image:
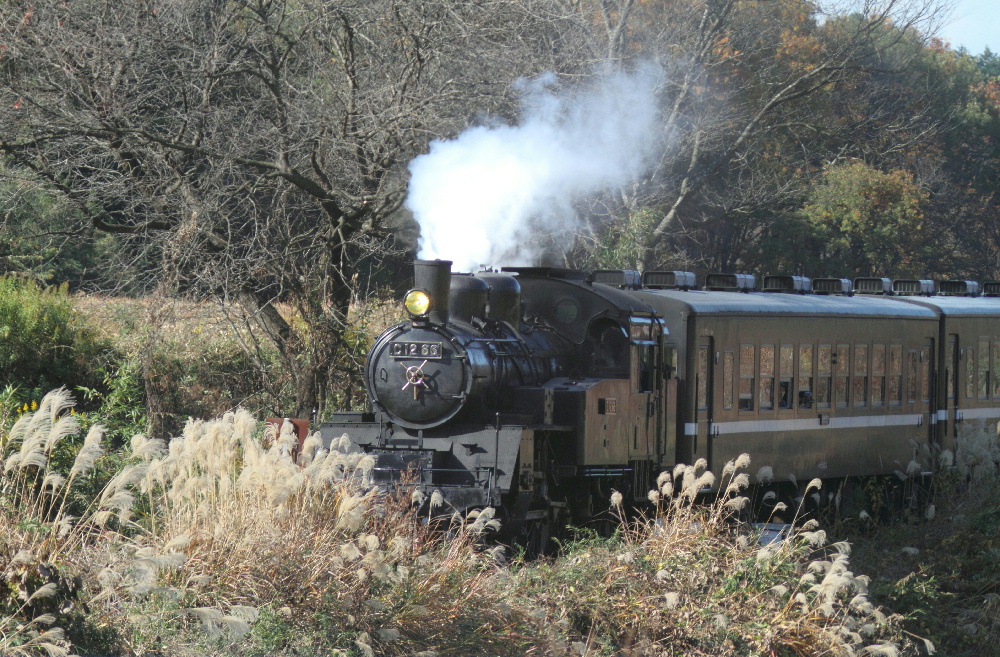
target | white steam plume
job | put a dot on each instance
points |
(498, 195)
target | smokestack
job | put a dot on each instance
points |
(434, 277)
(506, 194)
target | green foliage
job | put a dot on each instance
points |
(623, 243)
(919, 595)
(43, 343)
(40, 234)
(868, 222)
(988, 63)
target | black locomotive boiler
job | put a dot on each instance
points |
(538, 390)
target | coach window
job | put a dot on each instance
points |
(747, 367)
(970, 372)
(878, 375)
(925, 374)
(669, 363)
(806, 376)
(824, 374)
(984, 369)
(842, 366)
(861, 375)
(949, 370)
(702, 377)
(895, 387)
(786, 368)
(727, 380)
(911, 376)
(766, 377)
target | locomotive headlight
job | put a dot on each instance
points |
(417, 303)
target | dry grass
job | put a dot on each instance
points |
(35, 530)
(218, 542)
(690, 581)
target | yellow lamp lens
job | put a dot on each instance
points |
(416, 302)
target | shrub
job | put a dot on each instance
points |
(43, 343)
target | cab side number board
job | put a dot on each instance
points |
(415, 349)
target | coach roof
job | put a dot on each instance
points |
(699, 302)
(959, 306)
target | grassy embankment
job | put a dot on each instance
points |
(220, 545)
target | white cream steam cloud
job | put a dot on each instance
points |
(501, 194)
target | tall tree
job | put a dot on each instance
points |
(254, 149)
(758, 96)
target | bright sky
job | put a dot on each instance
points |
(975, 24)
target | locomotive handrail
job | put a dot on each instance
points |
(492, 340)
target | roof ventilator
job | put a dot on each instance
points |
(913, 287)
(730, 282)
(789, 284)
(623, 279)
(873, 286)
(958, 288)
(841, 286)
(991, 289)
(668, 280)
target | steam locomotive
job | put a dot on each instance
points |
(538, 390)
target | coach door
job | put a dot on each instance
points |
(702, 400)
(952, 359)
(644, 334)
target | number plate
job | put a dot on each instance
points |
(415, 349)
